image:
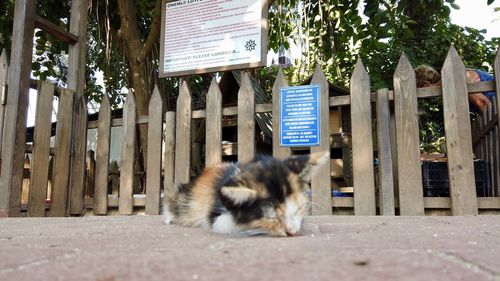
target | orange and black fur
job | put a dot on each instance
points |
(265, 196)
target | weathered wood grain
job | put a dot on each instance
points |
(126, 206)
(408, 153)
(246, 119)
(4, 70)
(214, 125)
(102, 157)
(77, 178)
(458, 136)
(55, 30)
(41, 151)
(496, 69)
(385, 174)
(278, 151)
(362, 142)
(495, 153)
(155, 135)
(169, 156)
(77, 53)
(64, 133)
(183, 135)
(321, 179)
(14, 138)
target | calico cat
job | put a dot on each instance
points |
(266, 196)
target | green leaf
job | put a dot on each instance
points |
(35, 66)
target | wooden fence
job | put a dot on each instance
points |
(395, 187)
(486, 142)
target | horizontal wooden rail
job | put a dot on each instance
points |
(34, 86)
(268, 107)
(55, 30)
(484, 203)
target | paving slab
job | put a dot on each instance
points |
(329, 248)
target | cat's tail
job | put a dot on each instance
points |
(170, 207)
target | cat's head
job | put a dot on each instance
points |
(268, 196)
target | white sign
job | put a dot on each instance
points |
(202, 36)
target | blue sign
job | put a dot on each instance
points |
(300, 116)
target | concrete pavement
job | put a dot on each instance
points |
(330, 248)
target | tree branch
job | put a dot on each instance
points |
(129, 30)
(154, 32)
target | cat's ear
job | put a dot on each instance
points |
(306, 165)
(239, 194)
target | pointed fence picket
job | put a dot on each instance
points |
(246, 119)
(102, 157)
(183, 135)
(59, 196)
(385, 169)
(214, 125)
(41, 151)
(126, 201)
(77, 178)
(458, 136)
(362, 145)
(155, 132)
(407, 140)
(278, 151)
(321, 179)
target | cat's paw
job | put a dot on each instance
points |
(168, 217)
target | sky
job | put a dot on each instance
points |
(477, 14)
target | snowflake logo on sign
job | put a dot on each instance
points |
(250, 45)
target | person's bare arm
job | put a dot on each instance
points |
(478, 99)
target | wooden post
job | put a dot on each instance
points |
(496, 68)
(4, 68)
(14, 139)
(153, 175)
(411, 200)
(102, 157)
(495, 175)
(213, 147)
(41, 150)
(63, 153)
(77, 54)
(278, 151)
(321, 179)
(246, 119)
(183, 135)
(362, 143)
(394, 155)
(385, 175)
(458, 136)
(169, 157)
(126, 202)
(490, 142)
(77, 185)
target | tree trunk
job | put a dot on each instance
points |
(137, 53)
